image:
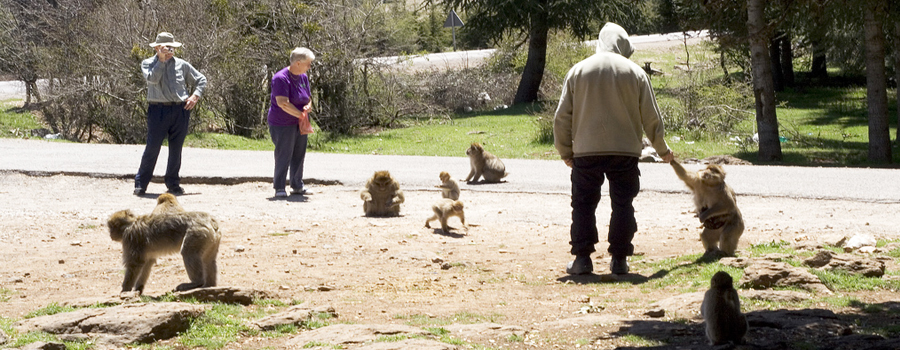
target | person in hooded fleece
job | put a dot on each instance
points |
(606, 105)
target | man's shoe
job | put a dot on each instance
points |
(301, 191)
(619, 266)
(580, 266)
(139, 191)
(176, 191)
(281, 193)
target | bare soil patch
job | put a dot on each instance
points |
(508, 267)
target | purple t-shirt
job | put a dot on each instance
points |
(296, 88)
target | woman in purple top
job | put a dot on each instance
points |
(290, 103)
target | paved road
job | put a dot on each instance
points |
(418, 172)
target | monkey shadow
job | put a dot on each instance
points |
(450, 234)
(153, 195)
(482, 182)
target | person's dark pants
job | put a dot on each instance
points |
(624, 184)
(163, 121)
(290, 150)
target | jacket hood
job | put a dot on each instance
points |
(614, 38)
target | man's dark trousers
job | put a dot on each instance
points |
(624, 184)
(164, 121)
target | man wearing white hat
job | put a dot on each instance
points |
(169, 111)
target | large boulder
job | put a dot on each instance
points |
(828, 260)
(295, 315)
(765, 274)
(124, 324)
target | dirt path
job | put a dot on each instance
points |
(507, 268)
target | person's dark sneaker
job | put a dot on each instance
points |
(280, 194)
(301, 191)
(619, 266)
(176, 191)
(139, 191)
(580, 266)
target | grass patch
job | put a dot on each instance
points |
(463, 317)
(16, 121)
(640, 341)
(51, 309)
(6, 294)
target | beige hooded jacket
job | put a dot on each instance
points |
(607, 103)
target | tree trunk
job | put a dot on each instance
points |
(763, 87)
(876, 84)
(537, 58)
(817, 38)
(787, 60)
(775, 56)
(897, 78)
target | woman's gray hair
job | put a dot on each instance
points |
(302, 54)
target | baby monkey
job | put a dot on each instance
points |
(449, 187)
(443, 210)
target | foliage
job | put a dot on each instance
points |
(51, 309)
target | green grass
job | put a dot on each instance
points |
(16, 122)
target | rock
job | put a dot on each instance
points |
(764, 274)
(833, 239)
(39, 345)
(124, 298)
(123, 324)
(821, 258)
(239, 249)
(295, 315)
(684, 305)
(656, 313)
(229, 295)
(410, 344)
(485, 331)
(735, 262)
(859, 241)
(3, 338)
(775, 257)
(774, 295)
(855, 265)
(342, 334)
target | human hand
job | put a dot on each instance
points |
(308, 107)
(191, 102)
(164, 53)
(569, 162)
(669, 157)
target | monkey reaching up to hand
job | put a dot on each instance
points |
(449, 187)
(716, 208)
(444, 209)
(382, 195)
(721, 309)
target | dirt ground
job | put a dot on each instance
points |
(508, 267)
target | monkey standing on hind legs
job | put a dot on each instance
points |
(144, 238)
(449, 187)
(716, 208)
(382, 195)
(721, 309)
(484, 163)
(443, 210)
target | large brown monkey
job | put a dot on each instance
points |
(449, 187)
(382, 195)
(166, 203)
(444, 209)
(484, 163)
(716, 208)
(721, 309)
(146, 237)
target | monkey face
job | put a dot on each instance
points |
(445, 176)
(713, 175)
(118, 222)
(475, 149)
(382, 179)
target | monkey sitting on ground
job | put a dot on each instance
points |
(449, 187)
(144, 238)
(166, 203)
(716, 208)
(484, 163)
(382, 195)
(721, 309)
(443, 210)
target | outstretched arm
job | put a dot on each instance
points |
(690, 179)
